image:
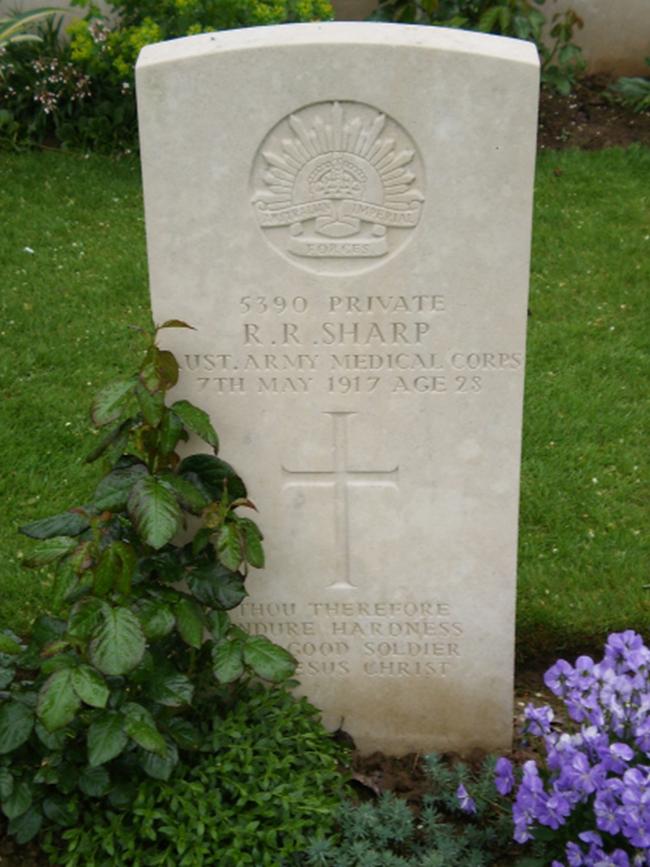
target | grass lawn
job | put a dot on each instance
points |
(74, 278)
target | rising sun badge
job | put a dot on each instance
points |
(337, 181)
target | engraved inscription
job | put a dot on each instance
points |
(337, 181)
(356, 638)
(339, 477)
(346, 345)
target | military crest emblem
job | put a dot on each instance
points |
(337, 181)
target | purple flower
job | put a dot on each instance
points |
(504, 778)
(538, 719)
(557, 676)
(467, 804)
(596, 779)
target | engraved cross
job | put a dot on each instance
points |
(340, 478)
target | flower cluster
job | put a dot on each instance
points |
(55, 81)
(595, 787)
(604, 765)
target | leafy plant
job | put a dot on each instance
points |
(265, 782)
(389, 834)
(561, 59)
(12, 27)
(590, 804)
(87, 99)
(633, 91)
(143, 654)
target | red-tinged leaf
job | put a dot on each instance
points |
(197, 421)
(167, 367)
(175, 323)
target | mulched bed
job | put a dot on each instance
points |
(588, 119)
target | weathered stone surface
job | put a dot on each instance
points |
(343, 213)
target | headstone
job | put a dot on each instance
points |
(343, 212)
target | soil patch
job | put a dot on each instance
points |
(589, 119)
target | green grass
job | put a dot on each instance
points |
(584, 551)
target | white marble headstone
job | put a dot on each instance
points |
(343, 212)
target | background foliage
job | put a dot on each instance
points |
(561, 59)
(78, 91)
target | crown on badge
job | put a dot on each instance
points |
(338, 157)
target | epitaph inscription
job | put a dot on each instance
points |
(337, 181)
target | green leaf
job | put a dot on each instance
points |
(170, 432)
(253, 550)
(16, 724)
(94, 781)
(26, 826)
(18, 802)
(227, 661)
(184, 733)
(90, 686)
(6, 676)
(201, 540)
(155, 512)
(119, 643)
(6, 784)
(229, 546)
(46, 629)
(52, 740)
(85, 617)
(123, 795)
(160, 767)
(112, 493)
(156, 618)
(175, 323)
(65, 524)
(57, 700)
(9, 645)
(115, 569)
(198, 421)
(59, 662)
(218, 624)
(107, 406)
(215, 475)
(50, 551)
(140, 727)
(268, 660)
(151, 404)
(106, 738)
(192, 497)
(60, 810)
(115, 439)
(170, 688)
(214, 585)
(190, 622)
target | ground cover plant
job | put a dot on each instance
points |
(66, 305)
